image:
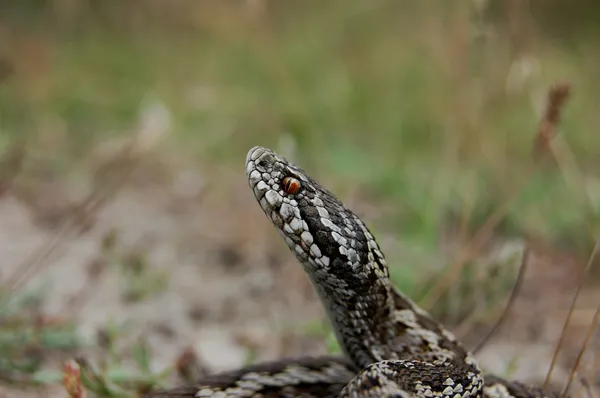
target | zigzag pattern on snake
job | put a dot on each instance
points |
(391, 346)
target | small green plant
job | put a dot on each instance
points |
(139, 279)
(27, 337)
(322, 329)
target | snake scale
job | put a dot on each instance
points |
(391, 347)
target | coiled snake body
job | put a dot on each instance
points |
(392, 347)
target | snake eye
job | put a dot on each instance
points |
(291, 185)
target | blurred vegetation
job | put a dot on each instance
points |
(429, 107)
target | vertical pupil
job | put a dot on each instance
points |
(290, 185)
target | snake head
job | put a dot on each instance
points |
(278, 186)
(329, 239)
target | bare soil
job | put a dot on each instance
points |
(230, 286)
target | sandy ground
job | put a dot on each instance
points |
(232, 287)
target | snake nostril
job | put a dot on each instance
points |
(264, 161)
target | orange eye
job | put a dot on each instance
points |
(291, 185)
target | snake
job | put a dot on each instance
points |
(390, 347)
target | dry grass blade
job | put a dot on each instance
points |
(110, 177)
(470, 251)
(588, 387)
(189, 366)
(582, 279)
(586, 342)
(72, 380)
(511, 300)
(556, 98)
(11, 165)
(593, 372)
(85, 210)
(547, 131)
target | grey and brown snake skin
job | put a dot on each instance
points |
(392, 347)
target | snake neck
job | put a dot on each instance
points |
(360, 307)
(371, 320)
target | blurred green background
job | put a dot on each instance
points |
(432, 106)
(426, 110)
